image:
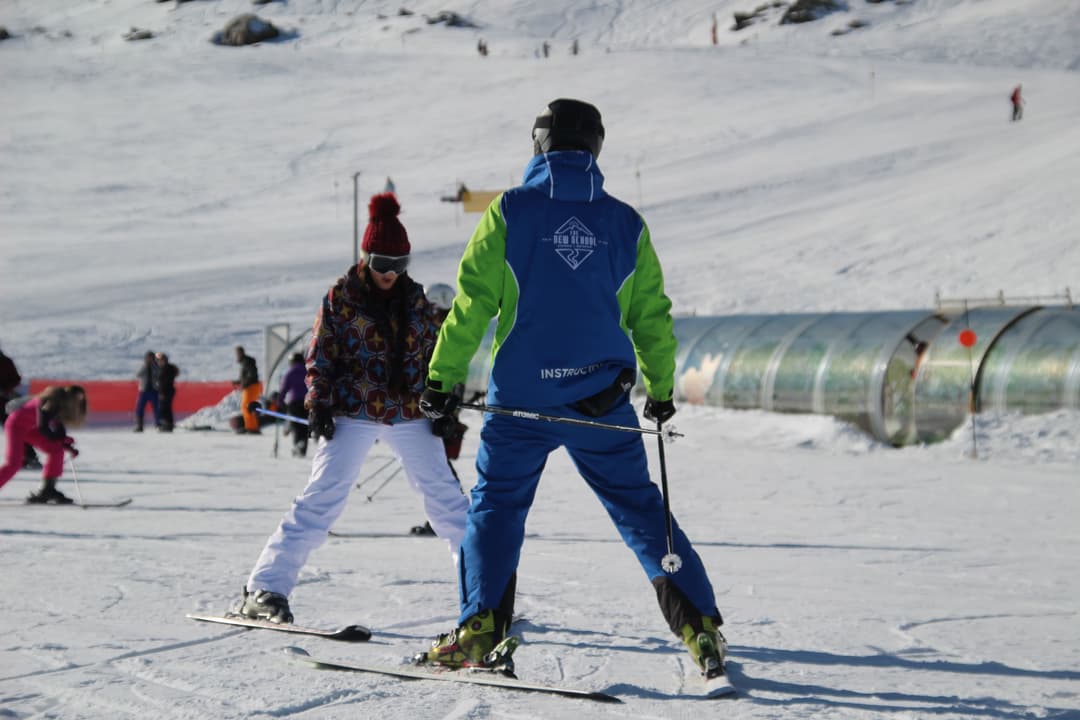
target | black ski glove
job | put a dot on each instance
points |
(436, 404)
(659, 410)
(321, 423)
(447, 427)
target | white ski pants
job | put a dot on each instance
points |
(334, 471)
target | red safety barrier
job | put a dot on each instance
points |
(118, 396)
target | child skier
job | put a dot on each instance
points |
(43, 421)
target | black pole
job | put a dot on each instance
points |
(971, 386)
(389, 477)
(277, 434)
(371, 477)
(670, 562)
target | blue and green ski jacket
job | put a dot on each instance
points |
(571, 273)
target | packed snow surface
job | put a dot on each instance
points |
(175, 195)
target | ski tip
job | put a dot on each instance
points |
(296, 651)
(116, 504)
(603, 697)
(719, 693)
(719, 687)
(353, 633)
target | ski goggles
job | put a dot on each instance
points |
(383, 264)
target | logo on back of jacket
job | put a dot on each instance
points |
(574, 242)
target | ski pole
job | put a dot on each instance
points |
(75, 477)
(277, 434)
(277, 428)
(389, 477)
(670, 563)
(283, 416)
(665, 434)
(372, 475)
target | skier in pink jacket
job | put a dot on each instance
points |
(43, 421)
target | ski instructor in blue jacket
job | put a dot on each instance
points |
(573, 277)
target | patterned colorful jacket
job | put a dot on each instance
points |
(579, 293)
(351, 357)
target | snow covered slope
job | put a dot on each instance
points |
(173, 195)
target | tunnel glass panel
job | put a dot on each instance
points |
(798, 370)
(868, 379)
(743, 381)
(943, 393)
(1033, 367)
(689, 331)
(708, 355)
(901, 373)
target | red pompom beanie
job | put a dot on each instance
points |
(385, 235)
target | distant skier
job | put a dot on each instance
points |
(9, 390)
(43, 421)
(167, 374)
(293, 389)
(149, 378)
(250, 391)
(1017, 104)
(9, 381)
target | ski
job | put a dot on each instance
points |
(368, 535)
(118, 503)
(348, 633)
(85, 506)
(718, 687)
(412, 532)
(475, 677)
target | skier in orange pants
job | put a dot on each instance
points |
(250, 389)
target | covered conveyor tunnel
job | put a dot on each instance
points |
(902, 376)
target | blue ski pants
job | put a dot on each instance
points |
(511, 457)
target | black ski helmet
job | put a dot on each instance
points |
(568, 125)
